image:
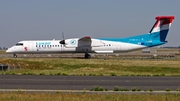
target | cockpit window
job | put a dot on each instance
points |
(19, 44)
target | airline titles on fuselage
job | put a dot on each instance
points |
(46, 45)
(43, 43)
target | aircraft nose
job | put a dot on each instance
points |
(9, 50)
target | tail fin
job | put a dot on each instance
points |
(161, 27)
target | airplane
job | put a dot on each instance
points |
(86, 44)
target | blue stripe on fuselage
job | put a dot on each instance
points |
(149, 40)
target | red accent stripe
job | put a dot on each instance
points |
(164, 17)
(163, 20)
(157, 24)
(87, 37)
(166, 21)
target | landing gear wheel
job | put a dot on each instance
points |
(87, 56)
(15, 56)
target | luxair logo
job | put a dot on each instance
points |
(73, 42)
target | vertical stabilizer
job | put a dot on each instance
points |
(161, 27)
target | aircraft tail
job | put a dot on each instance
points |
(161, 27)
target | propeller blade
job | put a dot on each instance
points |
(62, 41)
(63, 35)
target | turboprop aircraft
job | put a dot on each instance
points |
(86, 44)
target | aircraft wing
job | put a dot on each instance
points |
(85, 38)
(87, 41)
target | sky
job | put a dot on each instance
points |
(47, 19)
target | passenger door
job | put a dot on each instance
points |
(30, 47)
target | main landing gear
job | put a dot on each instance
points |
(14, 55)
(87, 56)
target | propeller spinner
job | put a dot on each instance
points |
(62, 42)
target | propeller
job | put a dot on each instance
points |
(63, 40)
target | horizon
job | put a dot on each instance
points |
(45, 19)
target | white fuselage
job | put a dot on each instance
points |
(71, 46)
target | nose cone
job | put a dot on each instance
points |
(9, 50)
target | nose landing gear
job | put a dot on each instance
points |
(14, 55)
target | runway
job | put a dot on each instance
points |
(41, 82)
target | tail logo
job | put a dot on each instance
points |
(162, 23)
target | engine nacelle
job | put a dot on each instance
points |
(71, 43)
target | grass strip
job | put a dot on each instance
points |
(22, 96)
(92, 67)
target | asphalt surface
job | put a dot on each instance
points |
(87, 82)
